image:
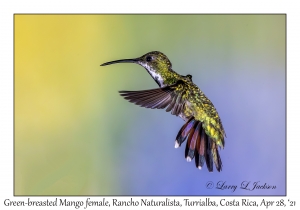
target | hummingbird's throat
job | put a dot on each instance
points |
(157, 77)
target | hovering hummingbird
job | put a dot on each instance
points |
(203, 127)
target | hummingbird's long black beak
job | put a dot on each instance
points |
(135, 60)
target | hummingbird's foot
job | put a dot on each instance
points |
(199, 167)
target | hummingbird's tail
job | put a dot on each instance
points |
(199, 145)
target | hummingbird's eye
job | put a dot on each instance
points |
(148, 58)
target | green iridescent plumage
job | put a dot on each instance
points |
(203, 129)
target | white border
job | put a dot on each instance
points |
(8, 8)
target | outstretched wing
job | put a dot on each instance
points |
(173, 97)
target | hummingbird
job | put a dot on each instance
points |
(202, 129)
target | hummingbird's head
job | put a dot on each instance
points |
(156, 63)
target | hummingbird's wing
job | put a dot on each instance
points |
(199, 145)
(159, 98)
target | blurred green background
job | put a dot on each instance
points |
(74, 134)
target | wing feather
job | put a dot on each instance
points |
(169, 97)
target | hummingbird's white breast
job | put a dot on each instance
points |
(157, 77)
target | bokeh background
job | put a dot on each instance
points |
(74, 134)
